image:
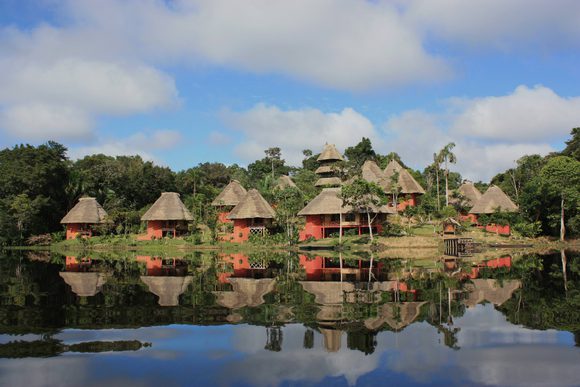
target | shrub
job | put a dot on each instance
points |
(392, 230)
(528, 229)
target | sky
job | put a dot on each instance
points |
(182, 82)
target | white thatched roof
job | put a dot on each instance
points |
(168, 207)
(87, 210)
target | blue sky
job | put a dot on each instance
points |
(187, 81)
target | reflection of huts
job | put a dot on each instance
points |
(332, 339)
(252, 216)
(168, 216)
(327, 292)
(409, 188)
(168, 289)
(395, 315)
(82, 218)
(246, 292)
(491, 290)
(327, 172)
(231, 195)
(84, 284)
(494, 199)
(323, 216)
(284, 182)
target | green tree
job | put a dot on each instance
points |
(573, 145)
(448, 157)
(560, 179)
(360, 153)
(365, 197)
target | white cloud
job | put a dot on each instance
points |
(44, 121)
(218, 138)
(143, 144)
(295, 130)
(347, 45)
(491, 133)
(527, 114)
(498, 23)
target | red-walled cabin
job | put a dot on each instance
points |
(83, 217)
(492, 200)
(252, 216)
(410, 189)
(231, 196)
(323, 217)
(167, 217)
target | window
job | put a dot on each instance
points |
(350, 217)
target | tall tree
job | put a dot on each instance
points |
(560, 178)
(273, 154)
(360, 153)
(448, 157)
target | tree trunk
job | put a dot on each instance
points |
(340, 231)
(562, 225)
(371, 267)
(370, 226)
(446, 183)
(564, 272)
(438, 201)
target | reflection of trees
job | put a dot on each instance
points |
(50, 347)
(274, 339)
(362, 340)
(543, 302)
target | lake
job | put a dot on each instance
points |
(281, 319)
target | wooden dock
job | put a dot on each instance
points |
(459, 247)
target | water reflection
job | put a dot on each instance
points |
(268, 318)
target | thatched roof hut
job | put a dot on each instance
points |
(284, 182)
(406, 181)
(330, 153)
(246, 292)
(328, 202)
(490, 290)
(87, 211)
(371, 172)
(231, 195)
(168, 289)
(253, 205)
(470, 192)
(168, 207)
(84, 284)
(395, 315)
(494, 198)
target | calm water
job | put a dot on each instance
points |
(287, 320)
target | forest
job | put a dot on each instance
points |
(39, 184)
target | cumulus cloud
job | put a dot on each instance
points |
(350, 45)
(266, 126)
(527, 114)
(490, 133)
(498, 23)
(144, 144)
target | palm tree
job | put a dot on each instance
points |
(448, 157)
(437, 164)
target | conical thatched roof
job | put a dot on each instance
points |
(87, 210)
(490, 290)
(253, 205)
(284, 182)
(372, 173)
(84, 284)
(330, 153)
(327, 181)
(168, 289)
(469, 192)
(231, 195)
(396, 315)
(328, 202)
(168, 207)
(323, 169)
(406, 181)
(493, 199)
(246, 292)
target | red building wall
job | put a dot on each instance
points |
(313, 228)
(73, 229)
(409, 201)
(241, 231)
(498, 229)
